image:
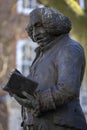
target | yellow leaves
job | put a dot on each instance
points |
(75, 7)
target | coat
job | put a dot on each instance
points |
(59, 68)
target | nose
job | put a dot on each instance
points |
(35, 32)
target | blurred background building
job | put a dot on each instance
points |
(17, 49)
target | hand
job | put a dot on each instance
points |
(30, 101)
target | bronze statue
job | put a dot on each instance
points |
(58, 68)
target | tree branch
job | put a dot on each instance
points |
(75, 7)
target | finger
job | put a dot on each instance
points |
(30, 97)
(19, 99)
(24, 102)
(15, 96)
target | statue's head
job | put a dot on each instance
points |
(51, 20)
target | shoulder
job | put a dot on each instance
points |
(72, 47)
(71, 52)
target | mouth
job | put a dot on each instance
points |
(41, 39)
(38, 39)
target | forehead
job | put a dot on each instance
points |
(34, 18)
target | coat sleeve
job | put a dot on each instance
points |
(70, 69)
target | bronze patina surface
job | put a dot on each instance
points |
(58, 68)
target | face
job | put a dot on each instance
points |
(38, 33)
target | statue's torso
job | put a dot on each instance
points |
(44, 71)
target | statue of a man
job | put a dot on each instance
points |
(58, 68)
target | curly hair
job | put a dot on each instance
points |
(52, 20)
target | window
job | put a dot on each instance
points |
(25, 55)
(26, 6)
(29, 3)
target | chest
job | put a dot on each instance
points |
(44, 71)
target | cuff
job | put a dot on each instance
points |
(46, 100)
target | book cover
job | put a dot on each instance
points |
(18, 83)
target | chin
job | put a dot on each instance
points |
(42, 43)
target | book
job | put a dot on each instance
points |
(18, 83)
